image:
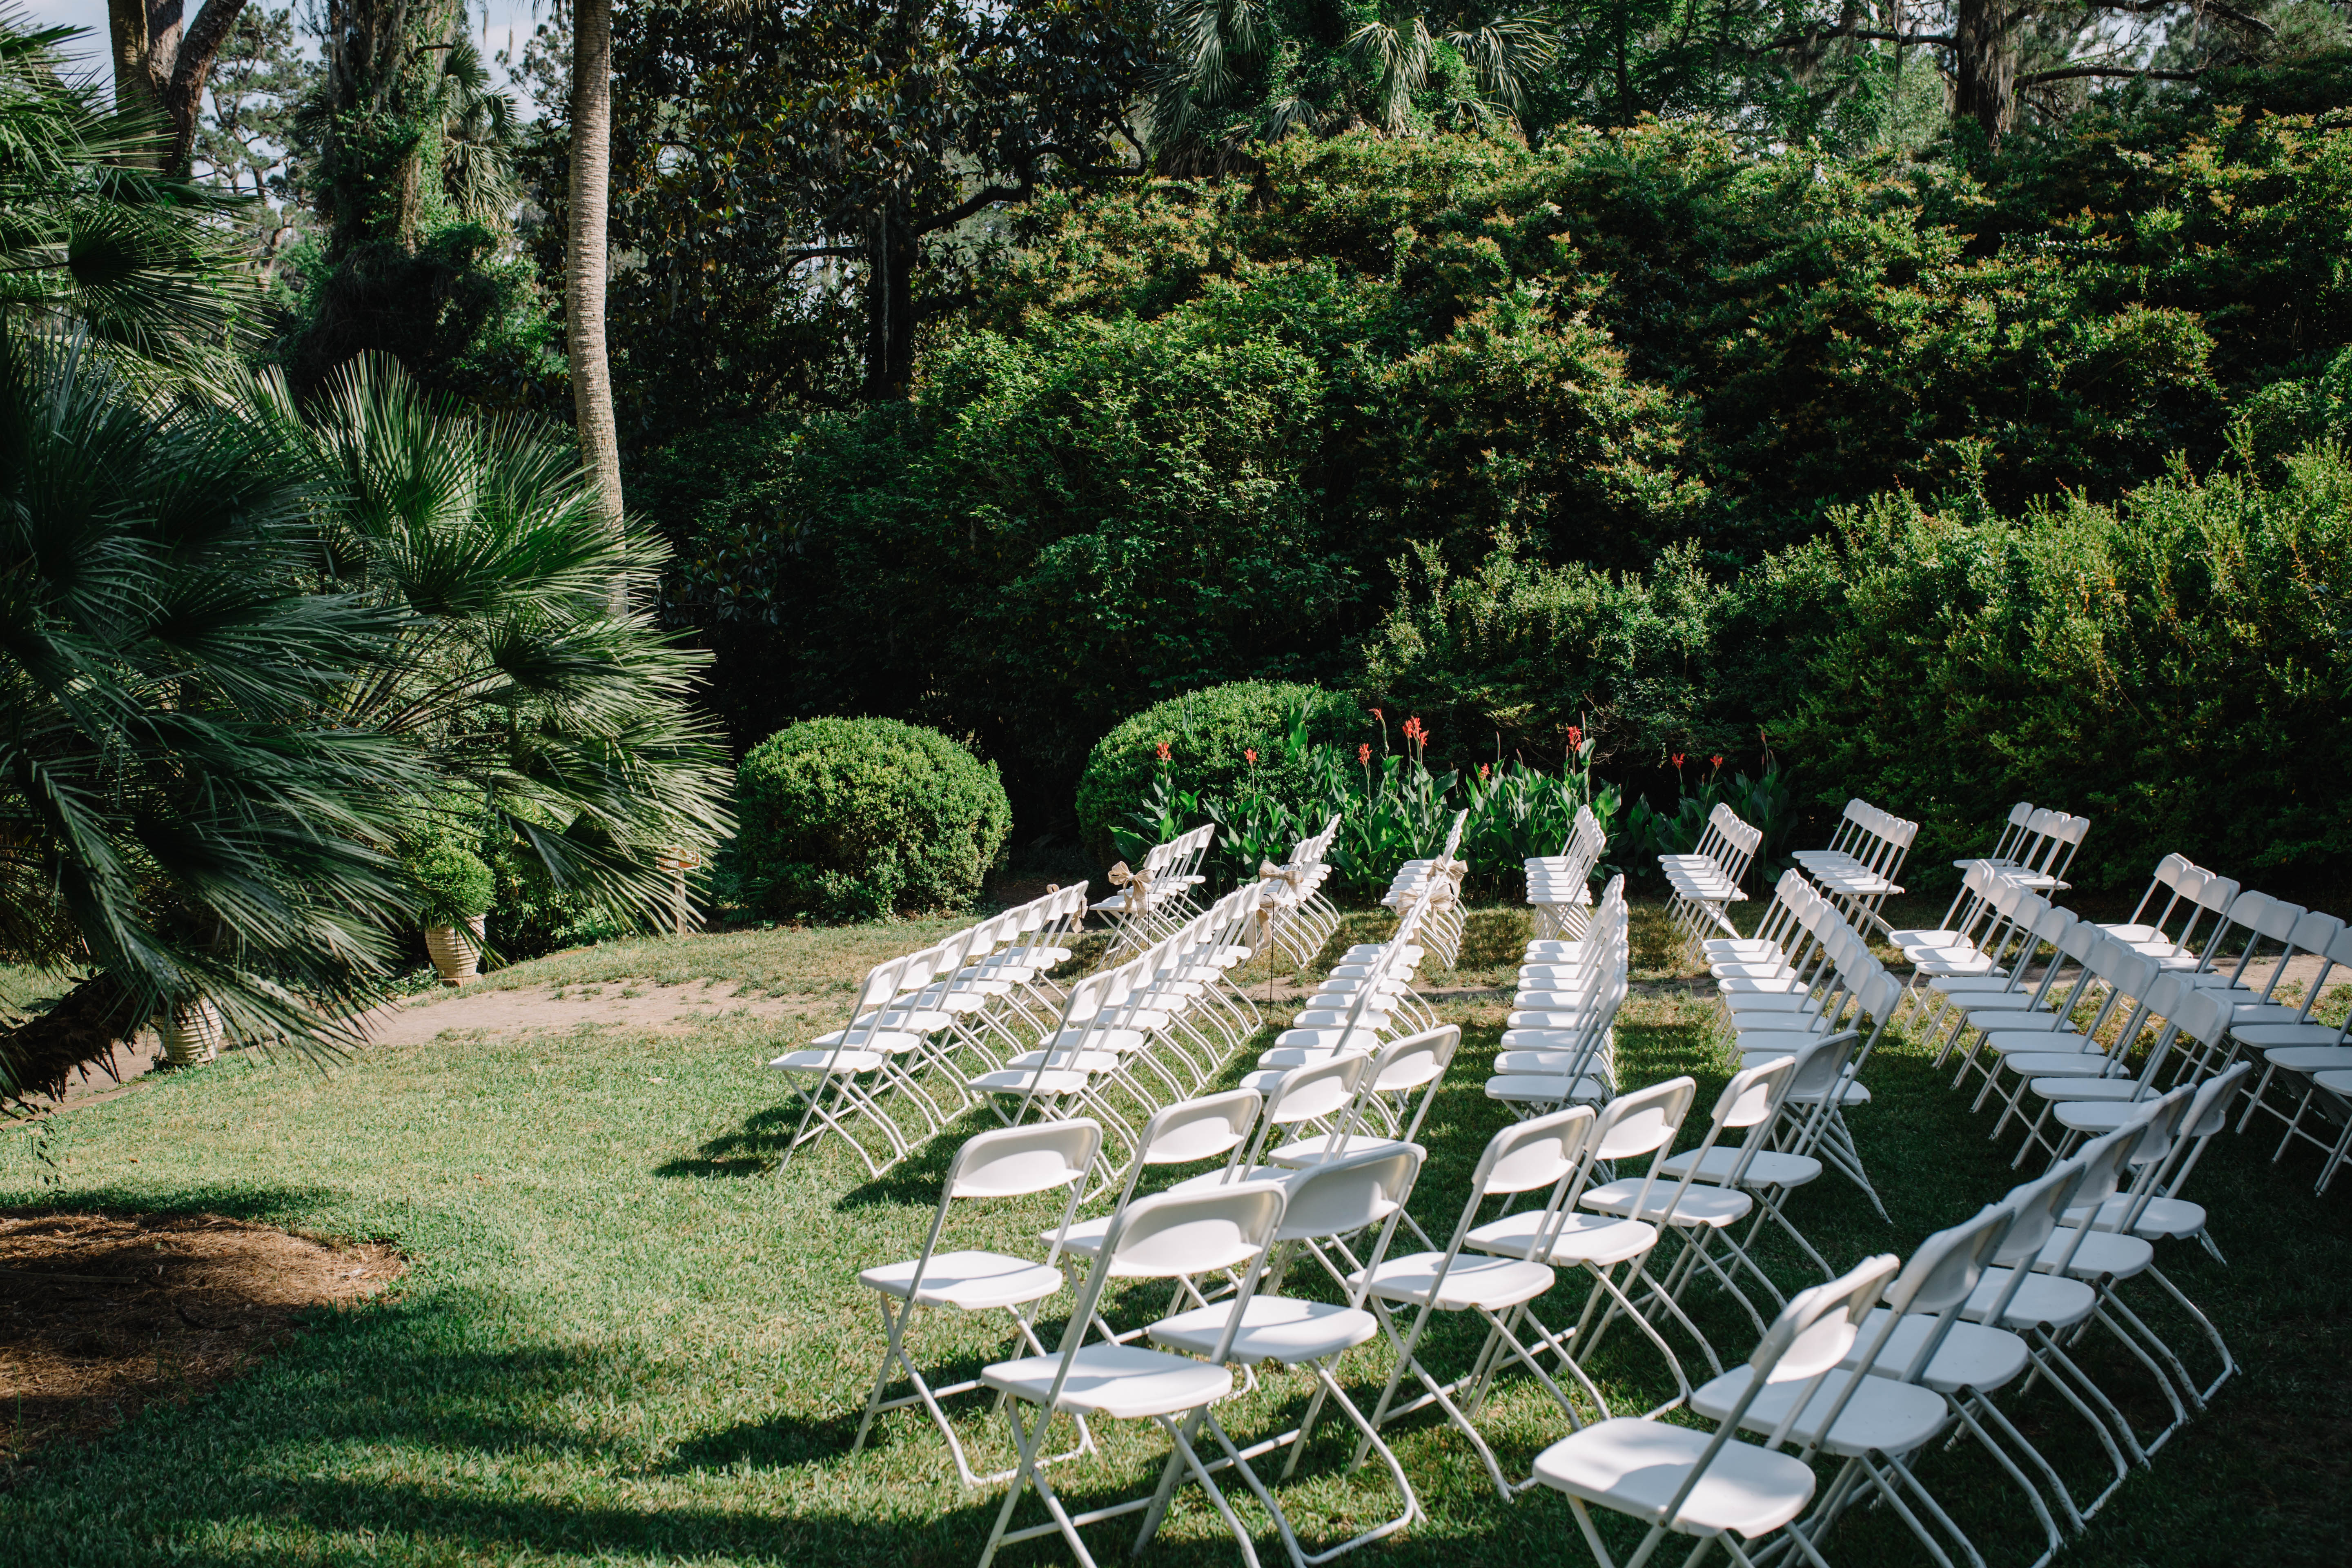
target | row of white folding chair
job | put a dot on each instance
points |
(1779, 1011)
(2038, 843)
(1146, 903)
(1863, 857)
(1709, 879)
(1975, 1309)
(1559, 887)
(1436, 885)
(1559, 1040)
(914, 1014)
(1361, 1003)
(2194, 893)
(1301, 918)
(1141, 1031)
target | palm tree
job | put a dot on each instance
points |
(511, 677)
(585, 257)
(90, 236)
(184, 814)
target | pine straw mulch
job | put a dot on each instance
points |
(101, 1315)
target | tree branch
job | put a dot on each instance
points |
(2072, 73)
(199, 46)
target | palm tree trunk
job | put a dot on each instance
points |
(584, 250)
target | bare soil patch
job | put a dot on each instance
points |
(617, 1004)
(101, 1315)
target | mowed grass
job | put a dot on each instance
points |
(626, 1338)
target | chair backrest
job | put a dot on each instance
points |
(2207, 1112)
(1813, 1333)
(1349, 1193)
(1200, 1129)
(1935, 1282)
(1012, 1161)
(879, 987)
(1311, 1093)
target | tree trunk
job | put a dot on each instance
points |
(1984, 68)
(585, 251)
(891, 253)
(163, 61)
(38, 1055)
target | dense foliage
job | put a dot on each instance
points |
(856, 818)
(2176, 665)
(1198, 425)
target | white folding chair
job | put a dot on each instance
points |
(1328, 1202)
(1004, 1163)
(1529, 1156)
(1686, 1482)
(1170, 1236)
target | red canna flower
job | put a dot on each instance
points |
(1575, 739)
(1364, 752)
(1717, 761)
(1678, 760)
(1250, 756)
(1163, 751)
(1482, 772)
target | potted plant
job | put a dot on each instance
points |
(453, 886)
(190, 1033)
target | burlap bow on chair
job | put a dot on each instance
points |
(1138, 885)
(1446, 882)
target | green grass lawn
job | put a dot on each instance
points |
(626, 1339)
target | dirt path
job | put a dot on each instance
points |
(636, 1005)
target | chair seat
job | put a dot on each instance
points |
(1600, 1241)
(1125, 1382)
(2164, 1219)
(1085, 1236)
(972, 1281)
(1972, 1355)
(2280, 1037)
(1883, 1415)
(837, 1062)
(1226, 1178)
(1049, 1082)
(2310, 1059)
(1546, 1089)
(906, 1033)
(2049, 1065)
(1766, 1170)
(1362, 1039)
(2042, 1299)
(1274, 1328)
(1713, 1207)
(1073, 1061)
(1325, 1147)
(2079, 1088)
(2101, 1252)
(1493, 1283)
(1542, 1039)
(1636, 1467)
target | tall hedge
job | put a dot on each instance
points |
(2177, 666)
(856, 819)
(1208, 734)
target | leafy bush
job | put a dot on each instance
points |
(452, 883)
(1209, 734)
(2175, 667)
(858, 818)
(1189, 429)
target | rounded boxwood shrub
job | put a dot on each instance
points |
(856, 819)
(1206, 732)
(453, 884)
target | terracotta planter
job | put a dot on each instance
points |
(456, 949)
(192, 1034)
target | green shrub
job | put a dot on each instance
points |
(859, 818)
(452, 883)
(1208, 733)
(2174, 667)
